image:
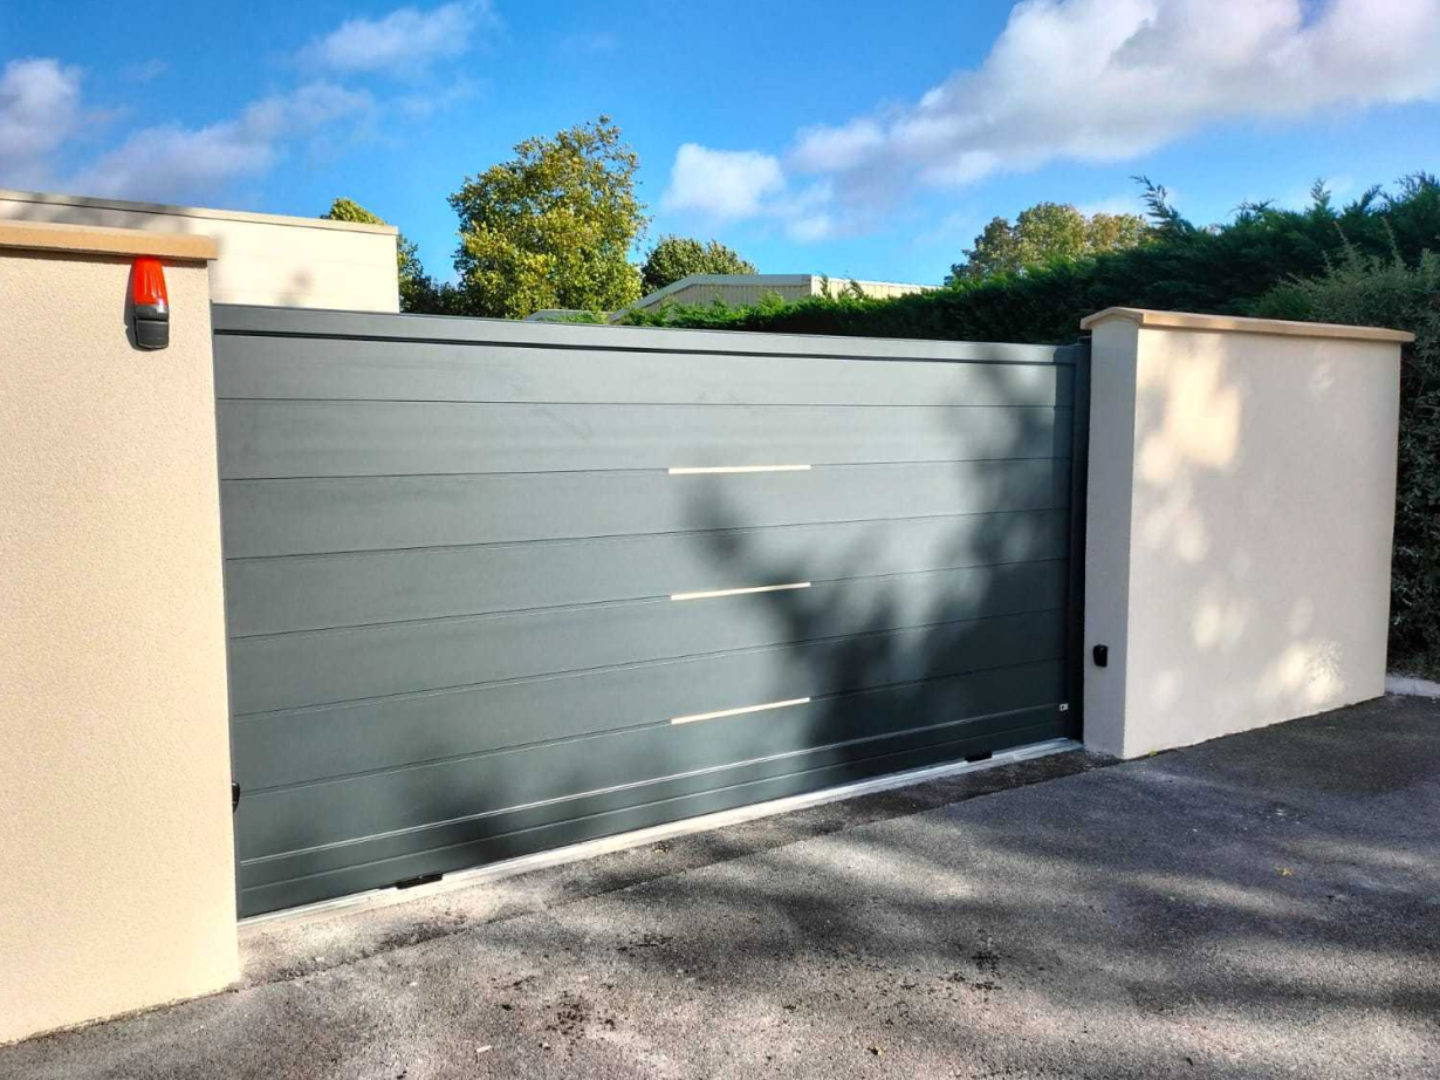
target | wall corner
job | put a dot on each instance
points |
(1239, 523)
(1114, 348)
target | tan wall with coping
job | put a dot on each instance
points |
(262, 258)
(1239, 520)
(115, 836)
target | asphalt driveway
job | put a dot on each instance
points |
(1263, 905)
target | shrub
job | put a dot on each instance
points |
(1221, 270)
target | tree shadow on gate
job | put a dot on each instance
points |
(896, 648)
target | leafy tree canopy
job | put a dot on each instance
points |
(417, 291)
(552, 227)
(1044, 233)
(343, 209)
(676, 257)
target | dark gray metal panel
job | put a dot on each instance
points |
(284, 880)
(611, 770)
(346, 369)
(407, 329)
(1075, 589)
(278, 749)
(451, 545)
(316, 592)
(320, 667)
(384, 438)
(292, 517)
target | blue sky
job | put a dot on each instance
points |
(846, 138)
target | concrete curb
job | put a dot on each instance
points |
(1411, 687)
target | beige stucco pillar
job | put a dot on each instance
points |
(1240, 510)
(115, 837)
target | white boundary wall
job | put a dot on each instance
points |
(262, 258)
(1239, 520)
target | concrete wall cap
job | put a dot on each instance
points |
(1185, 320)
(46, 198)
(100, 240)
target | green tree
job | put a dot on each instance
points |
(552, 227)
(676, 257)
(1045, 233)
(417, 291)
(1115, 232)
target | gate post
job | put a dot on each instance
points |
(116, 854)
(1239, 517)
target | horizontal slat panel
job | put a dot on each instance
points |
(304, 878)
(277, 749)
(404, 332)
(288, 517)
(318, 667)
(307, 592)
(347, 369)
(380, 438)
(450, 545)
(299, 818)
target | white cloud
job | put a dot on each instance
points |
(810, 228)
(1108, 80)
(731, 185)
(425, 103)
(39, 109)
(835, 148)
(806, 215)
(723, 184)
(145, 71)
(404, 41)
(176, 163)
(304, 110)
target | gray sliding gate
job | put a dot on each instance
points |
(495, 587)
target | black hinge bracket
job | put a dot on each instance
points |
(421, 879)
(234, 796)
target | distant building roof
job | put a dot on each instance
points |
(748, 288)
(555, 314)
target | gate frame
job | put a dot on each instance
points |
(250, 320)
(1075, 589)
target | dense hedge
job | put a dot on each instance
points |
(1222, 270)
(1366, 263)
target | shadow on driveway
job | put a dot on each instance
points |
(1262, 905)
